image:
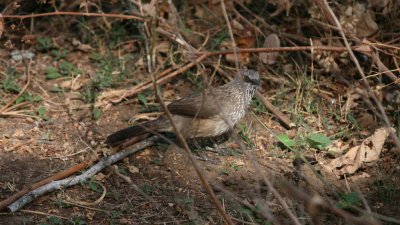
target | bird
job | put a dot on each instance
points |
(211, 113)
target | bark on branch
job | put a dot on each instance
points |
(68, 182)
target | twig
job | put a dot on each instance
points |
(147, 85)
(16, 106)
(286, 121)
(123, 177)
(86, 207)
(68, 182)
(17, 114)
(96, 202)
(58, 13)
(196, 167)
(279, 49)
(228, 24)
(383, 69)
(60, 175)
(146, 34)
(43, 214)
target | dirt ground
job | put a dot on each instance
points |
(79, 69)
(164, 189)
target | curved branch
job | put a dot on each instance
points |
(68, 182)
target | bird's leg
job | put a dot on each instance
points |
(219, 140)
(199, 146)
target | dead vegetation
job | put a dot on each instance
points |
(319, 145)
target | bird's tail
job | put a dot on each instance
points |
(158, 125)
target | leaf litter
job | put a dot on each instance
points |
(358, 157)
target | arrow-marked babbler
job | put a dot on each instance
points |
(210, 113)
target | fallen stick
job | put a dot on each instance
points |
(286, 121)
(60, 175)
(68, 182)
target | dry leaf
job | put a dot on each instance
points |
(99, 176)
(364, 49)
(272, 41)
(163, 47)
(75, 84)
(244, 39)
(90, 215)
(366, 25)
(337, 147)
(143, 154)
(133, 169)
(150, 8)
(199, 11)
(281, 5)
(352, 95)
(83, 47)
(366, 154)
(18, 133)
(108, 96)
(238, 162)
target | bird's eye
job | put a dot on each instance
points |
(251, 81)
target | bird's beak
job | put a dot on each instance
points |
(256, 82)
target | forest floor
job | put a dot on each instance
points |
(339, 149)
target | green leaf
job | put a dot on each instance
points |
(56, 89)
(96, 113)
(318, 140)
(59, 54)
(224, 172)
(142, 99)
(52, 73)
(54, 220)
(67, 68)
(349, 199)
(286, 140)
(36, 98)
(44, 43)
(25, 97)
(42, 111)
(94, 187)
(95, 56)
(10, 84)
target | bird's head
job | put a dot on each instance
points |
(250, 76)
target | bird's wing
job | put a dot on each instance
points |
(203, 105)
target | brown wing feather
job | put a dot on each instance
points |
(209, 103)
(203, 105)
(196, 106)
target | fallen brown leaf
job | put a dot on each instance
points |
(366, 25)
(272, 41)
(75, 84)
(337, 147)
(364, 155)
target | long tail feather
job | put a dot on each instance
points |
(157, 125)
